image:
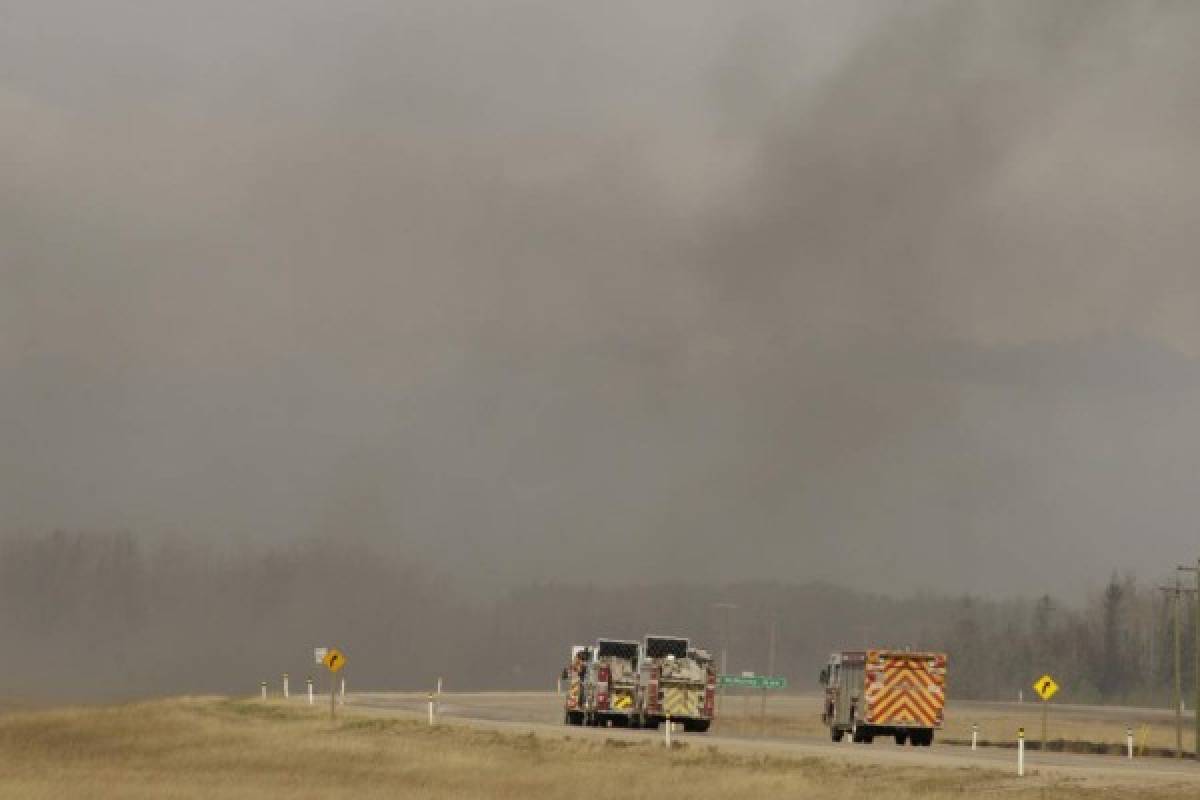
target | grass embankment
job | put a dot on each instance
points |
(1091, 731)
(213, 748)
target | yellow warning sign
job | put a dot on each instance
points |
(1045, 687)
(334, 660)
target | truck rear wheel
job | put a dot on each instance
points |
(921, 738)
(901, 737)
(696, 726)
(836, 734)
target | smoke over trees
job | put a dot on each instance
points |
(105, 615)
(508, 288)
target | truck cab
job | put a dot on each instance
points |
(842, 679)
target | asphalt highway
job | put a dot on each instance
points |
(541, 713)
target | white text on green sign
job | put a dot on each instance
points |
(752, 681)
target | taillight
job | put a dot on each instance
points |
(710, 691)
(604, 675)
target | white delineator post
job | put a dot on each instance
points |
(263, 685)
(1129, 741)
(1020, 752)
(310, 693)
(431, 708)
(668, 734)
(974, 736)
(285, 686)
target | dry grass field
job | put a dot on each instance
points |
(208, 747)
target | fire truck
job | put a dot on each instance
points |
(608, 692)
(895, 693)
(678, 682)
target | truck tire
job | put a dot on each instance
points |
(836, 734)
(901, 737)
(696, 726)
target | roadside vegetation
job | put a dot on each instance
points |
(1093, 731)
(221, 748)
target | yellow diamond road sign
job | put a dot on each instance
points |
(334, 660)
(1045, 687)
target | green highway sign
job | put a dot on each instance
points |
(752, 681)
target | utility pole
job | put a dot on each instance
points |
(1178, 591)
(728, 607)
(770, 673)
(1196, 655)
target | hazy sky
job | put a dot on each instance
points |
(888, 294)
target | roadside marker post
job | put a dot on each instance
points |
(342, 698)
(974, 736)
(1020, 752)
(286, 695)
(310, 692)
(669, 726)
(1129, 742)
(264, 690)
(431, 709)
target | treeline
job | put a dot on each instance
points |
(106, 615)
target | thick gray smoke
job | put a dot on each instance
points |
(889, 295)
